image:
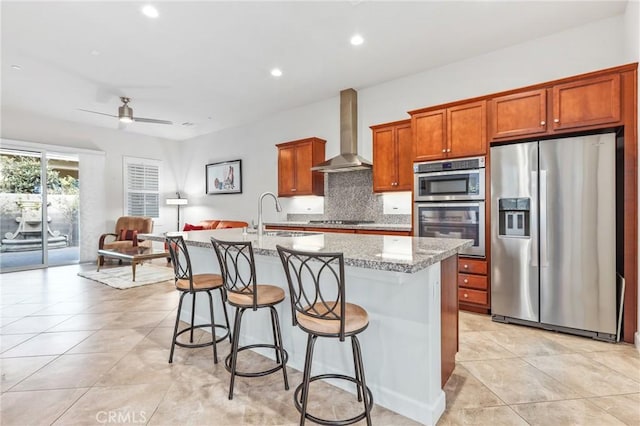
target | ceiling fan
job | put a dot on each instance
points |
(125, 114)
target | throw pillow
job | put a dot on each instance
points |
(190, 227)
(129, 235)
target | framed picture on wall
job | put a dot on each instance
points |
(224, 177)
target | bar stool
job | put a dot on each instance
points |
(318, 307)
(189, 283)
(237, 266)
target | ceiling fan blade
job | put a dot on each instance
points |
(151, 120)
(96, 112)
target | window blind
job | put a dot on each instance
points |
(142, 187)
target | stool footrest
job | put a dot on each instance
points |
(201, 345)
(342, 422)
(284, 357)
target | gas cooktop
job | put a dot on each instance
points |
(341, 222)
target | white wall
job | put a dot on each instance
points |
(583, 49)
(17, 125)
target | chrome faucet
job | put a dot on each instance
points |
(278, 209)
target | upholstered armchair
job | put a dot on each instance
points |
(126, 233)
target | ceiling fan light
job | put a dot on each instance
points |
(125, 114)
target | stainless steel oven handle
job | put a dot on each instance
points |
(460, 204)
(449, 173)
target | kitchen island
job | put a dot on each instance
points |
(400, 281)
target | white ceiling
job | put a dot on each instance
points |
(208, 63)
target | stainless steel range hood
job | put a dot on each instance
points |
(348, 160)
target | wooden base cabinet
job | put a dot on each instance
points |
(473, 285)
(295, 160)
(456, 131)
(392, 157)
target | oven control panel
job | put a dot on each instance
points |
(448, 165)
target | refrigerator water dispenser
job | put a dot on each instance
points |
(513, 217)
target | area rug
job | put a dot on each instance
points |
(121, 277)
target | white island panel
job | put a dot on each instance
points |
(400, 348)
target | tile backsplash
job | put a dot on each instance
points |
(350, 196)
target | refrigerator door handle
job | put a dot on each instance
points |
(544, 249)
(534, 239)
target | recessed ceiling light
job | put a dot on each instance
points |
(150, 11)
(276, 72)
(16, 67)
(357, 40)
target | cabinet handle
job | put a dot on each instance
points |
(542, 123)
(449, 150)
(465, 266)
(466, 295)
(444, 150)
(293, 189)
(466, 281)
(556, 120)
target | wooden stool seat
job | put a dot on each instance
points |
(266, 295)
(201, 282)
(356, 319)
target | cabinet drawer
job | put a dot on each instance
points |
(478, 282)
(472, 296)
(472, 266)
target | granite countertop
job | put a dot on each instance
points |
(368, 226)
(380, 252)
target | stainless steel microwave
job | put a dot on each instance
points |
(450, 180)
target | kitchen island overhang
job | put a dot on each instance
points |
(396, 279)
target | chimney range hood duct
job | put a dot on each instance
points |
(348, 160)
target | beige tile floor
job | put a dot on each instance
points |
(73, 351)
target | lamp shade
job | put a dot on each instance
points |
(177, 201)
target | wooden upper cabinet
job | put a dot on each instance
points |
(429, 133)
(586, 102)
(518, 115)
(467, 129)
(392, 157)
(295, 160)
(457, 131)
(404, 140)
(286, 169)
(581, 104)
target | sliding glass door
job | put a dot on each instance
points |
(39, 201)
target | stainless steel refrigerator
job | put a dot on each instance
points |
(553, 234)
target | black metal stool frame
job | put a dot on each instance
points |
(231, 255)
(182, 270)
(296, 264)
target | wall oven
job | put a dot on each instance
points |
(449, 201)
(462, 179)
